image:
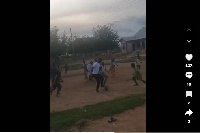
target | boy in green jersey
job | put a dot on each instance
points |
(137, 75)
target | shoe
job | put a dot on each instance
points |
(102, 85)
(112, 120)
(57, 95)
(96, 90)
(135, 84)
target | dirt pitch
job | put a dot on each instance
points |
(77, 92)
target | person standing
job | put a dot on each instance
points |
(66, 68)
(95, 72)
(89, 68)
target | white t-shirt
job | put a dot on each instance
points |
(96, 66)
(89, 67)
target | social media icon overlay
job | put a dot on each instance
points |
(189, 57)
(189, 75)
(188, 93)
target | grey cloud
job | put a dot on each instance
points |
(67, 8)
(142, 20)
(126, 22)
(128, 27)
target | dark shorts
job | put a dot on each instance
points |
(56, 85)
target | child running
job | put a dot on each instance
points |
(66, 68)
(112, 68)
(104, 73)
(56, 83)
(137, 75)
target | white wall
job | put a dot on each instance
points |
(129, 47)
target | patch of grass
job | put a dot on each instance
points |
(126, 60)
(76, 67)
(82, 124)
(142, 58)
(65, 119)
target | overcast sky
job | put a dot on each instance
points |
(128, 16)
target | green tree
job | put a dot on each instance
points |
(106, 37)
(57, 44)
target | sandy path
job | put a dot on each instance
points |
(77, 92)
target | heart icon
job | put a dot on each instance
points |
(188, 56)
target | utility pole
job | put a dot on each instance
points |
(72, 45)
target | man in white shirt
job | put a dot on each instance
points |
(95, 72)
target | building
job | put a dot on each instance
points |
(137, 42)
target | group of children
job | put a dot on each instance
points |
(92, 70)
(88, 69)
(98, 71)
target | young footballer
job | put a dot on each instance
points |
(137, 75)
(89, 68)
(112, 68)
(104, 73)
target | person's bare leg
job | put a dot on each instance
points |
(136, 84)
(105, 81)
(58, 90)
(143, 81)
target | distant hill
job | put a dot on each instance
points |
(139, 35)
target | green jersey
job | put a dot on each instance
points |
(137, 73)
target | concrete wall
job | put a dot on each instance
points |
(129, 47)
(123, 47)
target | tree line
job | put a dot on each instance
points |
(104, 38)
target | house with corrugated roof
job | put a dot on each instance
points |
(134, 43)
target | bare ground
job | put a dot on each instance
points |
(128, 121)
(77, 92)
